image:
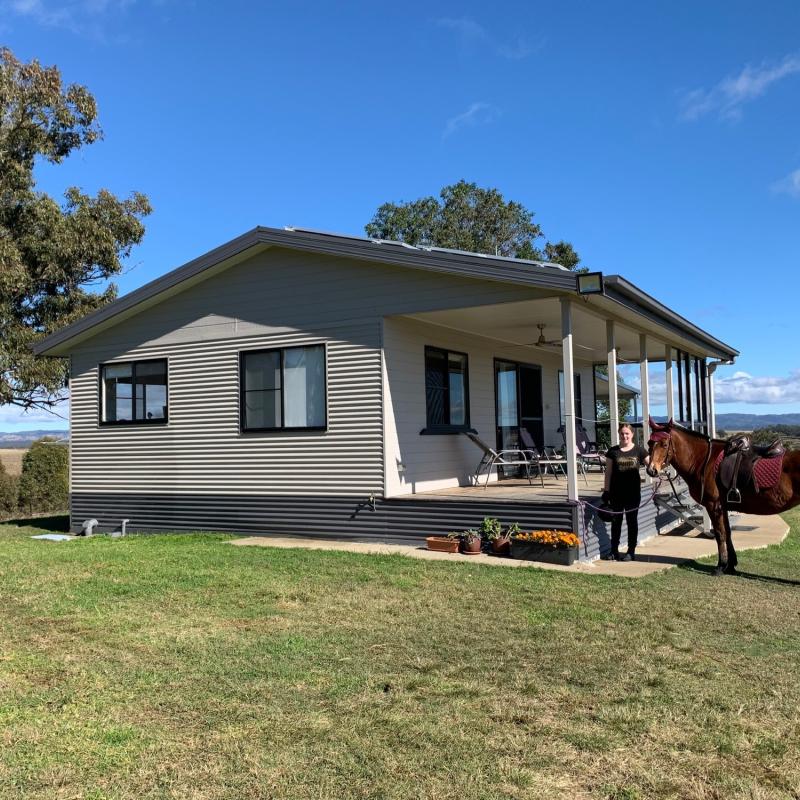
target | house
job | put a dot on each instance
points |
(305, 383)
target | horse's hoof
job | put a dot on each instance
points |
(730, 570)
(719, 572)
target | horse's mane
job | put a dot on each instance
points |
(694, 434)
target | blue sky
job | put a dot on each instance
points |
(661, 139)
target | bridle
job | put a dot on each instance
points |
(660, 436)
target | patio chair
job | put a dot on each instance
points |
(550, 458)
(586, 450)
(497, 458)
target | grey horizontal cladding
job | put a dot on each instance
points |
(398, 520)
(202, 450)
(596, 534)
(463, 265)
(625, 293)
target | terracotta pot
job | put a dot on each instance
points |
(471, 547)
(442, 544)
(501, 547)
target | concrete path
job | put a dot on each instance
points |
(653, 555)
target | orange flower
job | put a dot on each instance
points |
(550, 538)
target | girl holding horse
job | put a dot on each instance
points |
(623, 490)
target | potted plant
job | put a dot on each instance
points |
(442, 544)
(469, 541)
(492, 531)
(550, 546)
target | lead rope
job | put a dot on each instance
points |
(584, 504)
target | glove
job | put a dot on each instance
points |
(606, 497)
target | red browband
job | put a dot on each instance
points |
(659, 436)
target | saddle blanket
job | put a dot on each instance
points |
(766, 471)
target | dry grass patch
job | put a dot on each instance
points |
(12, 459)
(178, 666)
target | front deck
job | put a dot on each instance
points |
(519, 490)
(532, 506)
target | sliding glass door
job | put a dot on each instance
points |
(518, 401)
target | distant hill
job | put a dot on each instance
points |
(749, 422)
(25, 439)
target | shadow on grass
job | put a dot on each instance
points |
(58, 523)
(708, 569)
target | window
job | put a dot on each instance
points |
(283, 389)
(578, 397)
(446, 392)
(133, 392)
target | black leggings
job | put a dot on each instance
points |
(631, 509)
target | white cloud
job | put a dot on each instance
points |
(476, 114)
(77, 16)
(789, 185)
(473, 34)
(741, 387)
(13, 418)
(729, 96)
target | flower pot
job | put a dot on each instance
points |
(533, 551)
(501, 547)
(471, 547)
(442, 544)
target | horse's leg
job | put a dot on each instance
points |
(716, 513)
(732, 559)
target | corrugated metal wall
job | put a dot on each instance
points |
(400, 520)
(596, 535)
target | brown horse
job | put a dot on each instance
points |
(693, 455)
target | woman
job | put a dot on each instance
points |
(623, 490)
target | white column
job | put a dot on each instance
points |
(613, 395)
(569, 398)
(670, 388)
(645, 378)
(712, 411)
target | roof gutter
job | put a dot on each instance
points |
(621, 290)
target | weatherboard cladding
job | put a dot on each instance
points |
(277, 298)
(321, 247)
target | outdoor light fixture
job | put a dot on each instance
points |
(590, 283)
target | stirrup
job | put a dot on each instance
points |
(734, 496)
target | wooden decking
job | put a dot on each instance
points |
(517, 490)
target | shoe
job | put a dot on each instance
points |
(609, 556)
(632, 555)
(624, 557)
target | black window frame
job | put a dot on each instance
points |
(447, 428)
(243, 428)
(131, 422)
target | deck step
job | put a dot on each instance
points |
(682, 508)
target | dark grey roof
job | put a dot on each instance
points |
(454, 262)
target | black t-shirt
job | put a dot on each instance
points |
(624, 468)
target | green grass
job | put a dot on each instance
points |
(182, 667)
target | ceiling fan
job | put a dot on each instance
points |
(542, 341)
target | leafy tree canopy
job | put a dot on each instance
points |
(51, 253)
(467, 217)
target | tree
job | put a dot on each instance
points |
(467, 217)
(50, 253)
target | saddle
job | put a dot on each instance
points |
(743, 464)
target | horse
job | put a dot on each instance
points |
(694, 455)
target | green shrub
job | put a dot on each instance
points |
(9, 492)
(44, 484)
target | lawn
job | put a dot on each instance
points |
(182, 667)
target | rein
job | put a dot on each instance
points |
(660, 436)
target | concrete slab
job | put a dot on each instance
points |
(653, 555)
